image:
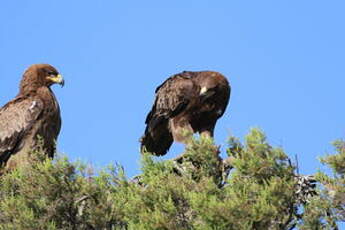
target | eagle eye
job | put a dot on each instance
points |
(49, 72)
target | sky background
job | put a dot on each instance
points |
(284, 60)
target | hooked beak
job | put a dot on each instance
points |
(203, 90)
(57, 79)
(206, 93)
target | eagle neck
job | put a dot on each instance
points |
(26, 89)
(31, 81)
(47, 96)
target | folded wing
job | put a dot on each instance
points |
(16, 120)
(173, 97)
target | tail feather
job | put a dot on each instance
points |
(157, 140)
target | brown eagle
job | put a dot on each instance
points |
(33, 113)
(191, 101)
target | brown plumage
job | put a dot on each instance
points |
(32, 113)
(191, 101)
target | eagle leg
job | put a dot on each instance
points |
(208, 130)
(182, 131)
(207, 133)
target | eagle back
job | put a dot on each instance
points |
(172, 96)
(183, 75)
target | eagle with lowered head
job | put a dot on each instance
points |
(33, 113)
(188, 101)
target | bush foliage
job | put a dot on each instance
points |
(254, 188)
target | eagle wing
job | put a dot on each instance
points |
(172, 97)
(16, 119)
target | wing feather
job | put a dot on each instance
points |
(16, 119)
(172, 98)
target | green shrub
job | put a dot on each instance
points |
(254, 188)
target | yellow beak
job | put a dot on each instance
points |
(57, 79)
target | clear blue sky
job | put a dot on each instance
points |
(284, 59)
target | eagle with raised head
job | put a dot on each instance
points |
(190, 101)
(32, 114)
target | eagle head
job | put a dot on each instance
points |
(40, 75)
(210, 81)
